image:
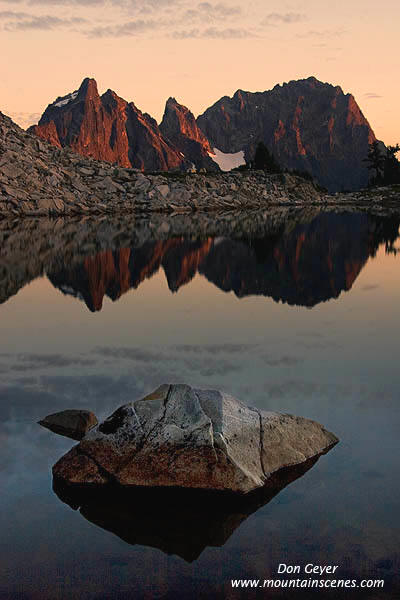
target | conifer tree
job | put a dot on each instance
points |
(264, 160)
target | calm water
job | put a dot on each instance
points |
(296, 312)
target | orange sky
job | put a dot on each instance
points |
(148, 50)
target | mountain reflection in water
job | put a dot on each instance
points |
(300, 258)
(181, 522)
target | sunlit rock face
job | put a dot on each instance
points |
(108, 128)
(189, 438)
(180, 127)
(307, 124)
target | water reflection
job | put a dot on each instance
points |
(297, 257)
(181, 522)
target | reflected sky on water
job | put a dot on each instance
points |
(298, 314)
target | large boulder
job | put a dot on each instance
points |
(183, 437)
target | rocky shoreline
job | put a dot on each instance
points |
(37, 179)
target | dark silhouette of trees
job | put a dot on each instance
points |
(391, 172)
(264, 160)
(383, 166)
(375, 162)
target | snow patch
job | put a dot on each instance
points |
(226, 162)
(66, 99)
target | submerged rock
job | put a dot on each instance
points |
(188, 438)
(71, 423)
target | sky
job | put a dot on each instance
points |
(148, 50)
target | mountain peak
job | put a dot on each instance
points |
(309, 125)
(88, 88)
(179, 125)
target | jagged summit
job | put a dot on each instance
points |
(179, 125)
(108, 128)
(87, 87)
(307, 124)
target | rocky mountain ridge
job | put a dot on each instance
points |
(107, 128)
(308, 125)
(37, 178)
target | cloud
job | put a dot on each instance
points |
(33, 399)
(9, 14)
(206, 11)
(23, 119)
(318, 345)
(25, 22)
(323, 33)
(27, 362)
(215, 348)
(207, 368)
(281, 361)
(179, 363)
(274, 19)
(369, 287)
(130, 29)
(312, 334)
(372, 95)
(176, 19)
(58, 2)
(214, 33)
(132, 353)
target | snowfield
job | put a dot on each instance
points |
(226, 162)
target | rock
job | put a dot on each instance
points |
(311, 126)
(11, 170)
(58, 181)
(188, 438)
(78, 185)
(163, 189)
(179, 126)
(108, 128)
(86, 171)
(71, 423)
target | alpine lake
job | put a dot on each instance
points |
(291, 310)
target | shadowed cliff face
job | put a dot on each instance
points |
(107, 128)
(302, 260)
(308, 125)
